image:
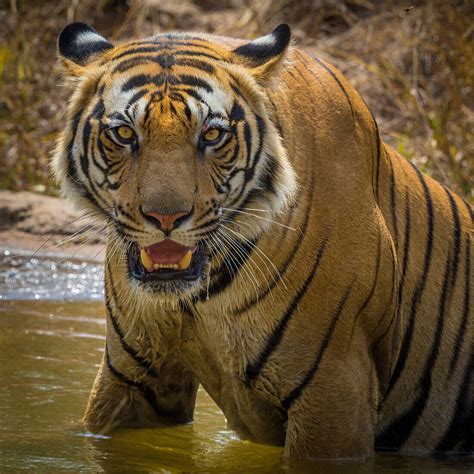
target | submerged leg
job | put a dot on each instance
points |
(164, 397)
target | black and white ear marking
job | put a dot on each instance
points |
(78, 41)
(266, 48)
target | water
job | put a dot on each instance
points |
(49, 355)
(23, 277)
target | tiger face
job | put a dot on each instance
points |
(168, 139)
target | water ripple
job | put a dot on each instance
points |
(46, 278)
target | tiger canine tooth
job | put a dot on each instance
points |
(185, 261)
(146, 260)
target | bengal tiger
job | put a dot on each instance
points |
(264, 242)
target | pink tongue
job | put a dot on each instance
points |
(167, 252)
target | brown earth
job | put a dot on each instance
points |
(47, 225)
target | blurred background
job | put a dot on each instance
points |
(413, 62)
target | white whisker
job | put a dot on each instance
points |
(260, 251)
(260, 217)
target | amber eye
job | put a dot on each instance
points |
(125, 133)
(211, 135)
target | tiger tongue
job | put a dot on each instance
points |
(168, 252)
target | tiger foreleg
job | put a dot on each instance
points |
(334, 417)
(117, 399)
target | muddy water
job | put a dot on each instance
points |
(49, 354)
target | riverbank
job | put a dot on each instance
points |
(45, 225)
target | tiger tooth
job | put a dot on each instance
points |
(156, 266)
(185, 261)
(146, 260)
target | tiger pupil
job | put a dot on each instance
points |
(125, 132)
(212, 134)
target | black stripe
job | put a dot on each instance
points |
(298, 390)
(372, 290)
(398, 432)
(291, 255)
(207, 223)
(407, 339)
(267, 178)
(128, 227)
(456, 236)
(248, 142)
(193, 93)
(393, 203)
(225, 142)
(156, 47)
(192, 81)
(174, 111)
(142, 80)
(459, 435)
(136, 98)
(338, 83)
(138, 50)
(141, 361)
(222, 277)
(261, 128)
(197, 54)
(237, 114)
(197, 64)
(406, 258)
(133, 62)
(465, 311)
(73, 175)
(148, 393)
(253, 369)
(123, 378)
(406, 249)
(120, 210)
(92, 193)
(251, 165)
(97, 114)
(71, 166)
(166, 61)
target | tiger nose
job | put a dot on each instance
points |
(168, 222)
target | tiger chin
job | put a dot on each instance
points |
(264, 242)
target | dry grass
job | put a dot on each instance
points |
(412, 63)
(416, 69)
(31, 104)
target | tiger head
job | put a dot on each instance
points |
(168, 140)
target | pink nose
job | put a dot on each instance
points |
(167, 221)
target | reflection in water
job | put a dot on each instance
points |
(49, 358)
(49, 355)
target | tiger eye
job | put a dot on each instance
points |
(212, 134)
(124, 132)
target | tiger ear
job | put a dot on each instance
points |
(77, 43)
(262, 54)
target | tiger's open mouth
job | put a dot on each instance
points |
(166, 260)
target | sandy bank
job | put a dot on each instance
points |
(46, 225)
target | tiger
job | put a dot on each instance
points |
(265, 243)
